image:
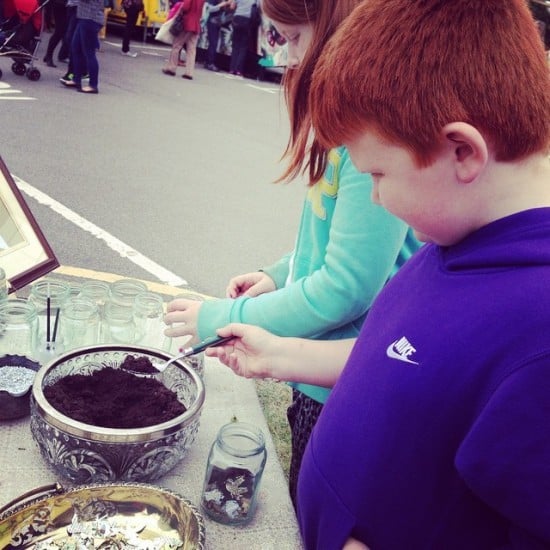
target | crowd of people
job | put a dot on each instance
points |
(78, 24)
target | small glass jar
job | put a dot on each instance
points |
(3, 286)
(233, 474)
(124, 291)
(58, 292)
(148, 314)
(118, 325)
(79, 323)
(18, 327)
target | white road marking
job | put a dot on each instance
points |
(6, 90)
(162, 274)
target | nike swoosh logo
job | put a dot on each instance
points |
(390, 352)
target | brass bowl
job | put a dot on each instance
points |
(83, 453)
(152, 516)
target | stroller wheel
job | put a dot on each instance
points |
(33, 74)
(18, 68)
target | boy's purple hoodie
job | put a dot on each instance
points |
(437, 435)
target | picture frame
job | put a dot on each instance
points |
(25, 254)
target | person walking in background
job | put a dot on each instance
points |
(188, 37)
(59, 12)
(132, 9)
(85, 43)
(213, 26)
(68, 78)
(240, 40)
(107, 7)
(346, 249)
(65, 49)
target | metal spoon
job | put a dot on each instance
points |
(186, 352)
(193, 350)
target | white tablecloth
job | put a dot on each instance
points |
(274, 525)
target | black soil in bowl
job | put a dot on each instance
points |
(113, 398)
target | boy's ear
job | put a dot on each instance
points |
(469, 150)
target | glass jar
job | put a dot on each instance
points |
(58, 292)
(148, 314)
(233, 474)
(79, 323)
(3, 285)
(124, 291)
(98, 292)
(118, 325)
(18, 327)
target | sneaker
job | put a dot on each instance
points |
(129, 54)
(67, 79)
(212, 67)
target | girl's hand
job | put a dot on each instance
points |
(181, 318)
(251, 353)
(250, 284)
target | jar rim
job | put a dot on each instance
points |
(244, 430)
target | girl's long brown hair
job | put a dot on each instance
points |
(303, 151)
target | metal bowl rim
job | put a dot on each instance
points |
(79, 429)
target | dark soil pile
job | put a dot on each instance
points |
(139, 364)
(113, 398)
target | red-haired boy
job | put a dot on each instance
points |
(437, 434)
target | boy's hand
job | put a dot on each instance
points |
(250, 284)
(183, 314)
(250, 354)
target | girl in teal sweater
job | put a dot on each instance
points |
(346, 249)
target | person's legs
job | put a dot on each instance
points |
(77, 54)
(65, 50)
(132, 15)
(88, 32)
(213, 32)
(302, 416)
(191, 49)
(177, 45)
(241, 35)
(60, 22)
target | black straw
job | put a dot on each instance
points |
(55, 324)
(48, 319)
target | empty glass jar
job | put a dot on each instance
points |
(148, 314)
(235, 467)
(79, 323)
(18, 327)
(118, 325)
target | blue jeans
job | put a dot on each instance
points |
(83, 50)
(213, 37)
(239, 43)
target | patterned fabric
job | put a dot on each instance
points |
(302, 416)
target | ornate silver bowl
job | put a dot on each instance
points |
(82, 453)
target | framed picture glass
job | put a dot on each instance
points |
(25, 255)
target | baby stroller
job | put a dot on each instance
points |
(20, 35)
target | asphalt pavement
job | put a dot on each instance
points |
(156, 177)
